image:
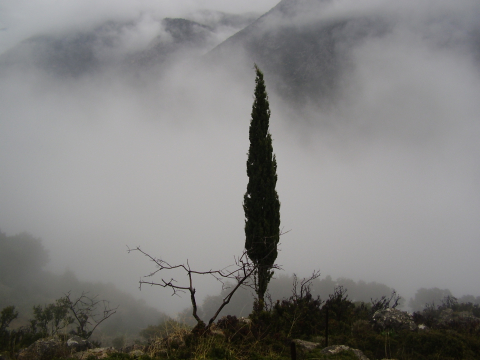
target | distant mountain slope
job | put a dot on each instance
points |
(306, 49)
(303, 54)
(122, 44)
(217, 20)
(81, 52)
(70, 55)
(185, 37)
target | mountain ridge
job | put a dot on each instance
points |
(304, 46)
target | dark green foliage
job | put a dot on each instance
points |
(317, 355)
(7, 315)
(462, 317)
(301, 313)
(444, 340)
(304, 316)
(51, 318)
(429, 316)
(406, 345)
(436, 345)
(301, 316)
(279, 287)
(265, 337)
(261, 203)
(290, 318)
(13, 339)
(219, 352)
(269, 334)
(120, 356)
(341, 311)
(473, 308)
(228, 322)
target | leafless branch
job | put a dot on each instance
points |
(240, 273)
(305, 285)
(84, 309)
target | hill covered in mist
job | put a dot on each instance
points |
(133, 131)
(308, 48)
(25, 283)
(141, 43)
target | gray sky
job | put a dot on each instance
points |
(389, 191)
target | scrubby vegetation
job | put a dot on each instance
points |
(450, 330)
(268, 334)
(322, 311)
(66, 317)
(25, 284)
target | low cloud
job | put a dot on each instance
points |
(382, 186)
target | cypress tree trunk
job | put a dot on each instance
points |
(261, 204)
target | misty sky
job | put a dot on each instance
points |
(385, 186)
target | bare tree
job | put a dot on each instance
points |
(88, 313)
(240, 273)
(304, 285)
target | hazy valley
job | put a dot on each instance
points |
(133, 131)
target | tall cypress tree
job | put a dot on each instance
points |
(260, 203)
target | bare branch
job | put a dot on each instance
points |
(305, 285)
(240, 273)
(84, 310)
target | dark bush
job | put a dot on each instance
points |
(385, 302)
(436, 345)
(7, 315)
(228, 322)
